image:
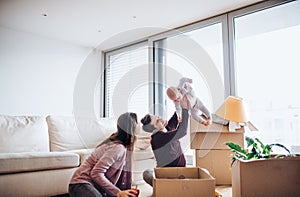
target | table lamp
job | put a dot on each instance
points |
(233, 109)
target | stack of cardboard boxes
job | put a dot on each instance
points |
(211, 151)
(213, 164)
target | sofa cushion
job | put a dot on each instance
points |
(23, 134)
(68, 133)
(83, 153)
(34, 161)
(142, 143)
(142, 148)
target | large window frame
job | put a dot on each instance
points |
(229, 60)
(228, 48)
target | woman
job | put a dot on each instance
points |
(107, 171)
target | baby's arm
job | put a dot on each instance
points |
(178, 110)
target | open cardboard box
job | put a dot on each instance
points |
(268, 177)
(183, 181)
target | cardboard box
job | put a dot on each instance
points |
(183, 181)
(217, 162)
(269, 177)
(215, 140)
(214, 136)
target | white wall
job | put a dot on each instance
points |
(87, 95)
(37, 75)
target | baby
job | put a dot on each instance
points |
(195, 105)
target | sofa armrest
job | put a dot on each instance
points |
(83, 153)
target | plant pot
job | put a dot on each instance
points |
(268, 177)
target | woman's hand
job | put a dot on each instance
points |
(127, 193)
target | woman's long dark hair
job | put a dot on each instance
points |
(126, 127)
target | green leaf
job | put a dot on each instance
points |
(261, 144)
(238, 151)
(258, 150)
(235, 147)
(281, 146)
(251, 156)
(249, 141)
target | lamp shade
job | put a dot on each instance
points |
(232, 109)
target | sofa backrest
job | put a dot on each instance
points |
(70, 133)
(23, 134)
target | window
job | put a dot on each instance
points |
(267, 45)
(201, 59)
(251, 53)
(126, 79)
(196, 52)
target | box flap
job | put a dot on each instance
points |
(204, 174)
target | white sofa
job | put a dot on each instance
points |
(38, 154)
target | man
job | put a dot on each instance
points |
(165, 139)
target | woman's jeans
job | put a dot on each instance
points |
(148, 176)
(84, 190)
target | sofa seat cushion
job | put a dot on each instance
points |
(23, 134)
(35, 161)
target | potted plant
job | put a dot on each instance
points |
(256, 172)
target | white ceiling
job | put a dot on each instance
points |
(91, 22)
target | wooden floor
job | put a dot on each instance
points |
(146, 190)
